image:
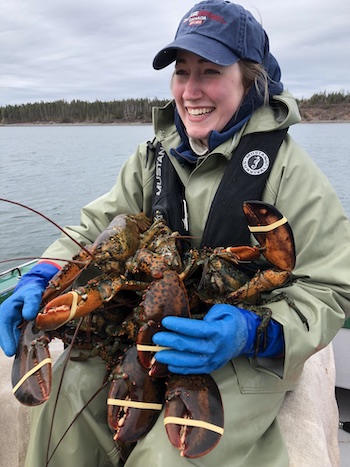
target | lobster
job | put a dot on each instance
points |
(32, 364)
(150, 263)
(108, 252)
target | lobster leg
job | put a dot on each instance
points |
(263, 281)
(194, 417)
(31, 370)
(238, 253)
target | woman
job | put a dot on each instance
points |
(228, 99)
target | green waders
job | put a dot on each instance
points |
(251, 437)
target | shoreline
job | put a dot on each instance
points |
(130, 123)
(77, 124)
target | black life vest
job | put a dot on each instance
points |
(244, 178)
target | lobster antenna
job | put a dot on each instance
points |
(26, 258)
(49, 220)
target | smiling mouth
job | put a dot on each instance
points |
(200, 112)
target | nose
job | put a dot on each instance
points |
(192, 89)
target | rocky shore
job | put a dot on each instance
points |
(324, 113)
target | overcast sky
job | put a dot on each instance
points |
(103, 49)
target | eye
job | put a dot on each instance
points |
(180, 72)
(211, 71)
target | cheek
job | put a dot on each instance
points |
(175, 89)
(231, 97)
(177, 93)
(232, 91)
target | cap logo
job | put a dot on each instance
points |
(199, 17)
(255, 162)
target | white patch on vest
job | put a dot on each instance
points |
(256, 162)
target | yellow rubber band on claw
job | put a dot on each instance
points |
(267, 228)
(30, 373)
(73, 309)
(196, 423)
(135, 404)
(151, 348)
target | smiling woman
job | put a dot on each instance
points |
(206, 94)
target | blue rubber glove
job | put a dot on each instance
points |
(202, 346)
(24, 303)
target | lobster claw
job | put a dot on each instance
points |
(31, 370)
(146, 349)
(65, 277)
(79, 302)
(68, 306)
(166, 296)
(272, 231)
(194, 416)
(134, 401)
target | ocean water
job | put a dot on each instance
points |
(58, 169)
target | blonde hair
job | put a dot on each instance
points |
(254, 74)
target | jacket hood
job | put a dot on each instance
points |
(281, 113)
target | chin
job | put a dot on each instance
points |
(198, 134)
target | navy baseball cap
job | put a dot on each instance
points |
(219, 31)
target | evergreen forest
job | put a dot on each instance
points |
(77, 111)
(320, 107)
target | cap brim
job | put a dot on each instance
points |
(203, 46)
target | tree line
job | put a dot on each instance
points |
(326, 99)
(121, 111)
(77, 111)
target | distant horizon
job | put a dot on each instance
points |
(342, 92)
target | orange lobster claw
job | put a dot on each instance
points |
(272, 231)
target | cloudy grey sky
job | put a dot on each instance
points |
(103, 49)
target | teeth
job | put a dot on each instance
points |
(197, 112)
